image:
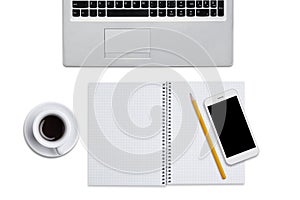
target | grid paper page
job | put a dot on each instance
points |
(124, 138)
(192, 161)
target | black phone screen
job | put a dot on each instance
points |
(231, 126)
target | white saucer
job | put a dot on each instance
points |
(40, 149)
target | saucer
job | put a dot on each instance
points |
(41, 150)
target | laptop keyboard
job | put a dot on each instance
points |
(150, 9)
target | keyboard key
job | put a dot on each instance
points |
(190, 4)
(101, 13)
(162, 4)
(101, 4)
(80, 4)
(93, 13)
(199, 4)
(128, 13)
(180, 4)
(213, 12)
(171, 4)
(221, 12)
(171, 13)
(213, 3)
(93, 4)
(145, 4)
(202, 12)
(153, 4)
(84, 13)
(206, 4)
(162, 12)
(220, 8)
(190, 12)
(127, 4)
(180, 12)
(110, 4)
(153, 13)
(221, 3)
(119, 4)
(136, 4)
(76, 13)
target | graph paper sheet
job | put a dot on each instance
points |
(192, 161)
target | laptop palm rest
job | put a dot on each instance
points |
(127, 43)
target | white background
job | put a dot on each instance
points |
(267, 52)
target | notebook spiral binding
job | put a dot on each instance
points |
(166, 133)
(169, 132)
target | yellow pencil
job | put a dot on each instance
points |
(213, 150)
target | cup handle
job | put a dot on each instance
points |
(67, 146)
(61, 150)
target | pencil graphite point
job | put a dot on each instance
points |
(192, 98)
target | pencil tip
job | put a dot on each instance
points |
(192, 98)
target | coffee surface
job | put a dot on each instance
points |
(52, 128)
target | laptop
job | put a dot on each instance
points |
(130, 33)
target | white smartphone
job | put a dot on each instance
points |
(231, 127)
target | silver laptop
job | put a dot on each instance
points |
(127, 33)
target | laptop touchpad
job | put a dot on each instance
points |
(127, 43)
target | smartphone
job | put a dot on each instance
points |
(231, 127)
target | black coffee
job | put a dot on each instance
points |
(52, 128)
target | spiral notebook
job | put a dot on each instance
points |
(148, 134)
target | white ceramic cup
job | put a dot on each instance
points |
(41, 142)
(38, 135)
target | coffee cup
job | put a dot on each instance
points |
(51, 130)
